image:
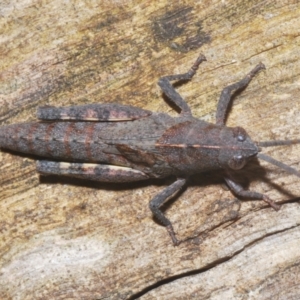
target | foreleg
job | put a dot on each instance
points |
(227, 93)
(238, 190)
(159, 199)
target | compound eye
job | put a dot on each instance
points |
(241, 137)
(237, 162)
(240, 134)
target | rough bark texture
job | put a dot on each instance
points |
(67, 239)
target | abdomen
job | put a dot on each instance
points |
(55, 140)
(104, 142)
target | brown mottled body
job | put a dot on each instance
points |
(118, 143)
(157, 145)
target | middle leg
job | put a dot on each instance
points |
(159, 199)
(169, 90)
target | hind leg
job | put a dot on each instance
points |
(95, 172)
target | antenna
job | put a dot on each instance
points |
(279, 164)
(278, 143)
(275, 162)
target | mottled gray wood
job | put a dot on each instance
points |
(73, 239)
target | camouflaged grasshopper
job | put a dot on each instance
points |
(117, 143)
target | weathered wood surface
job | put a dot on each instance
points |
(65, 239)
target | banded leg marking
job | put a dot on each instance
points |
(93, 112)
(95, 172)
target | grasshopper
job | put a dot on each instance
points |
(118, 143)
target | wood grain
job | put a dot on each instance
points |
(69, 239)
